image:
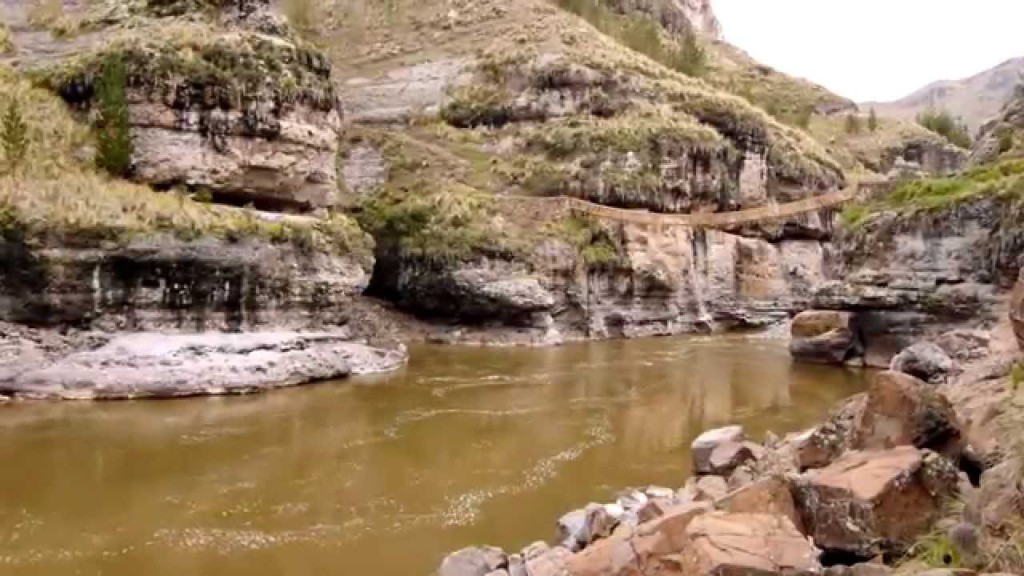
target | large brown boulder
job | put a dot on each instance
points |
(1017, 311)
(825, 337)
(770, 495)
(688, 541)
(721, 543)
(630, 551)
(873, 502)
(902, 410)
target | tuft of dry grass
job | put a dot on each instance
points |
(6, 40)
(55, 194)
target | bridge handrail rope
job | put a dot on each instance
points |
(766, 213)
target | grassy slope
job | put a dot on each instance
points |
(862, 151)
(1003, 179)
(56, 194)
(438, 163)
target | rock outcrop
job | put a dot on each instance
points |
(861, 504)
(916, 275)
(166, 284)
(242, 116)
(151, 365)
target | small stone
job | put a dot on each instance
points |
(727, 456)
(705, 444)
(474, 562)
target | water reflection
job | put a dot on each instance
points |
(381, 475)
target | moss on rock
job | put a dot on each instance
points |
(188, 65)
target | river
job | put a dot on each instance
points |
(380, 476)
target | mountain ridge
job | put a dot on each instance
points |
(976, 98)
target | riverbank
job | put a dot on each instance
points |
(833, 499)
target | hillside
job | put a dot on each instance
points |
(976, 99)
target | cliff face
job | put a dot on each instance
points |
(166, 284)
(910, 273)
(235, 107)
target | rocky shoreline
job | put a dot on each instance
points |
(870, 491)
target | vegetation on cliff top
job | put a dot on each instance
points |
(195, 64)
(54, 194)
(996, 180)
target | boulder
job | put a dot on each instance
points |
(926, 361)
(703, 489)
(820, 446)
(825, 337)
(724, 543)
(964, 345)
(902, 410)
(579, 528)
(549, 563)
(632, 551)
(728, 456)
(769, 495)
(999, 500)
(705, 444)
(872, 502)
(479, 561)
(1017, 311)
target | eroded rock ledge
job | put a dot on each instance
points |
(150, 365)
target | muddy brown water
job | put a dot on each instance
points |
(380, 476)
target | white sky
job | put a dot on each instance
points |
(876, 49)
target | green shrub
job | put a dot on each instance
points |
(873, 120)
(113, 126)
(1006, 140)
(852, 124)
(14, 135)
(942, 123)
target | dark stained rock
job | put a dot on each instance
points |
(926, 361)
(902, 410)
(825, 337)
(728, 456)
(820, 446)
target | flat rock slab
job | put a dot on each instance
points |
(723, 543)
(873, 502)
(149, 365)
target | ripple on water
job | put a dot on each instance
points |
(464, 509)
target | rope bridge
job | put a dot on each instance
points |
(771, 212)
